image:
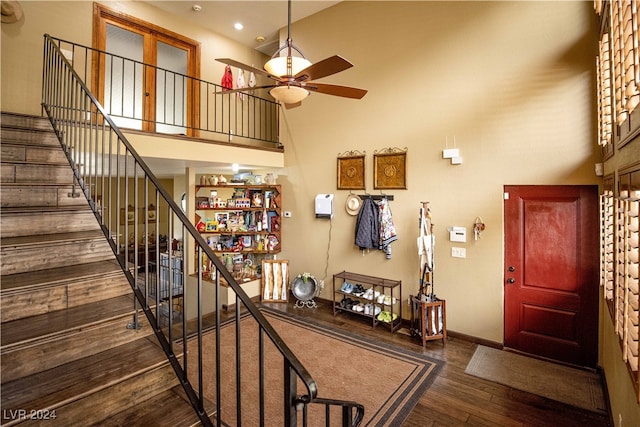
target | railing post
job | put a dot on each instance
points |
(135, 324)
(290, 394)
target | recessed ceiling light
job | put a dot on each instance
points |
(238, 26)
(196, 8)
(260, 39)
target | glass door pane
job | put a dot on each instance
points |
(124, 79)
(171, 90)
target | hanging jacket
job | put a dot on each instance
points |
(387, 228)
(367, 234)
(227, 78)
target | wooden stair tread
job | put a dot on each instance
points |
(57, 323)
(27, 184)
(167, 409)
(51, 388)
(44, 209)
(54, 276)
(41, 239)
(34, 163)
(12, 120)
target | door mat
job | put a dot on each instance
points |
(565, 384)
(386, 380)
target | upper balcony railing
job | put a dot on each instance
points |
(148, 98)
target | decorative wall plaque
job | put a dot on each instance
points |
(351, 170)
(390, 168)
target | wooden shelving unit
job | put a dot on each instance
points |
(241, 223)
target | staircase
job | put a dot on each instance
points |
(67, 354)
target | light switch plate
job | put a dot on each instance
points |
(458, 252)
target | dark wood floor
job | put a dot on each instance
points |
(456, 398)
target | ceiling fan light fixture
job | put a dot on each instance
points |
(277, 66)
(294, 75)
(289, 94)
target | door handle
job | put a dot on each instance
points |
(511, 280)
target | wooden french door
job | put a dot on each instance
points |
(145, 97)
(551, 272)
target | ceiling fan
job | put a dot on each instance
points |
(294, 75)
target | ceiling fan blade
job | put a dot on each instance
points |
(243, 89)
(326, 67)
(344, 91)
(246, 67)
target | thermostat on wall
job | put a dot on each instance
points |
(458, 234)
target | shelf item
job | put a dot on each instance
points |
(428, 319)
(376, 299)
(241, 221)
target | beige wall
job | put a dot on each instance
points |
(511, 81)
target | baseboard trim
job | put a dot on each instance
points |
(451, 334)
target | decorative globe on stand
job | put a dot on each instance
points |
(305, 288)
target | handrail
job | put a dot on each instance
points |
(184, 104)
(128, 199)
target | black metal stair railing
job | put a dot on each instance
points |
(142, 222)
(145, 97)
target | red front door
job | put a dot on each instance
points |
(551, 272)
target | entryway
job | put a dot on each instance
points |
(551, 272)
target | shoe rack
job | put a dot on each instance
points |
(376, 299)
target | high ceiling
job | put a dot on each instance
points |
(260, 18)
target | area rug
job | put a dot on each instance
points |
(557, 382)
(386, 380)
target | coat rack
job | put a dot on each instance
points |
(375, 196)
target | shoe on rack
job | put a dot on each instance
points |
(387, 317)
(368, 309)
(347, 287)
(377, 310)
(380, 299)
(368, 294)
(347, 303)
(388, 300)
(358, 290)
(358, 307)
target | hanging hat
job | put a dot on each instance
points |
(353, 204)
(11, 11)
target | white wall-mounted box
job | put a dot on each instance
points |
(458, 234)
